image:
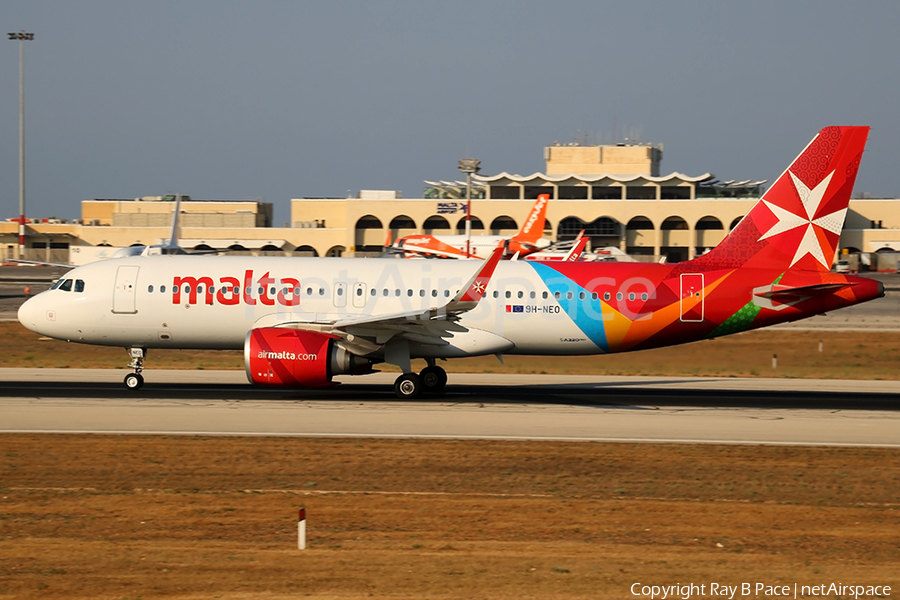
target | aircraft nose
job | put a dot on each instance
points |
(33, 313)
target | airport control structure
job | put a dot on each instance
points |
(613, 192)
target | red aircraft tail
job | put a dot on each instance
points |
(798, 221)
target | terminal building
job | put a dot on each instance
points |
(613, 192)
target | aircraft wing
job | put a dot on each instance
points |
(450, 252)
(39, 262)
(364, 334)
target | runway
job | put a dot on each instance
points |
(474, 406)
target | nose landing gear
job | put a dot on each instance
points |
(134, 381)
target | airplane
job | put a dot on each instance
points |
(529, 239)
(303, 321)
(573, 254)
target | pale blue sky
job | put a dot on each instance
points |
(228, 100)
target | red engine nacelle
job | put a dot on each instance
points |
(297, 358)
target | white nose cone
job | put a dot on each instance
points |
(31, 315)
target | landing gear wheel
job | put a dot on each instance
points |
(434, 378)
(408, 386)
(134, 381)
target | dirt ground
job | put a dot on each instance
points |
(214, 517)
(844, 355)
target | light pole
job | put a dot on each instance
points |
(469, 166)
(22, 37)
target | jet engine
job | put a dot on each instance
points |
(298, 358)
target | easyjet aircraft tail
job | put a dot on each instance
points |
(533, 228)
(798, 221)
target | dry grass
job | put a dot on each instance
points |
(846, 355)
(193, 517)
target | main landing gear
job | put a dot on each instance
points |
(134, 381)
(410, 385)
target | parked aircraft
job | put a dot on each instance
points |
(302, 321)
(529, 239)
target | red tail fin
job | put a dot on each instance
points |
(533, 228)
(577, 249)
(798, 221)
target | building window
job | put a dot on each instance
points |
(599, 192)
(572, 192)
(503, 192)
(640, 193)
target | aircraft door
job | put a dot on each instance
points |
(124, 291)
(359, 295)
(339, 296)
(692, 298)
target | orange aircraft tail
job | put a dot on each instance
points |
(533, 228)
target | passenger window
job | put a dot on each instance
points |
(496, 294)
(619, 296)
(544, 295)
(557, 295)
(421, 293)
(199, 289)
(644, 296)
(321, 291)
(569, 295)
(150, 288)
(79, 286)
(340, 291)
(237, 290)
(531, 295)
(508, 294)
(309, 291)
(520, 294)
(606, 296)
(446, 293)
(359, 291)
(66, 285)
(384, 292)
(372, 293)
(593, 295)
(397, 292)
(581, 295)
(434, 293)
(409, 293)
(162, 289)
(631, 296)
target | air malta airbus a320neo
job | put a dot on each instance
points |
(301, 321)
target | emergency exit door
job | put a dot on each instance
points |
(692, 298)
(124, 292)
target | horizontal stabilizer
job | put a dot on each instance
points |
(783, 294)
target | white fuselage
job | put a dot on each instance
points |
(166, 302)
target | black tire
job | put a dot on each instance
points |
(408, 386)
(134, 381)
(434, 378)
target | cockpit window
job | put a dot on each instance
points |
(56, 284)
(66, 285)
(79, 285)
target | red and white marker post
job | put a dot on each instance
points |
(301, 530)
